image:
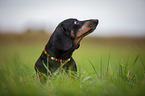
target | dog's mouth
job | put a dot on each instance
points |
(90, 31)
(87, 33)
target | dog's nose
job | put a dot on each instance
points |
(96, 20)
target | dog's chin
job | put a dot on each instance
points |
(87, 33)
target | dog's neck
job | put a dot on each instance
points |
(57, 53)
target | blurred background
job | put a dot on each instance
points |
(117, 17)
(29, 21)
(116, 47)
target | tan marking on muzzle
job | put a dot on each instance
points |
(85, 28)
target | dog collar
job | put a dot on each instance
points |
(54, 59)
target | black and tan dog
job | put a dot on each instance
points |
(62, 43)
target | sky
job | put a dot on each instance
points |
(116, 17)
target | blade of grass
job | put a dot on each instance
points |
(101, 69)
(62, 65)
(142, 62)
(108, 65)
(121, 69)
(126, 66)
(85, 79)
(57, 71)
(140, 57)
(133, 78)
(136, 59)
(47, 69)
(94, 69)
(44, 75)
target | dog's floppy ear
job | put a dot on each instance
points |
(62, 39)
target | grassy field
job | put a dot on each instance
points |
(106, 67)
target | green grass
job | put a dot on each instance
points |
(103, 69)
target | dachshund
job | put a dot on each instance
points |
(61, 45)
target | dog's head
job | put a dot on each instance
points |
(69, 32)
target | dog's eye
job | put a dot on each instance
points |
(75, 22)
